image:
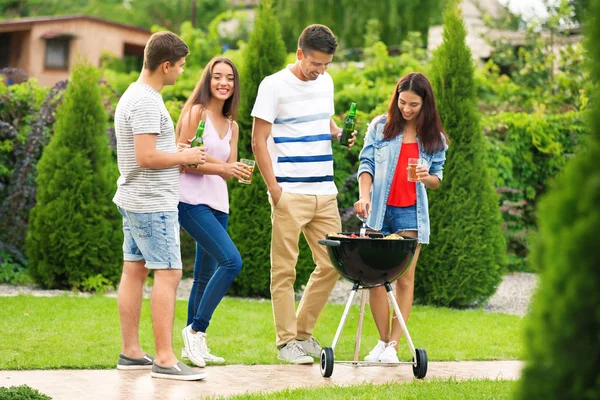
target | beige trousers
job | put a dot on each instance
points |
(314, 216)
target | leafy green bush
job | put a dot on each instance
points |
(28, 111)
(202, 45)
(525, 152)
(74, 229)
(11, 271)
(464, 261)
(371, 86)
(549, 69)
(563, 356)
(237, 30)
(19, 105)
(22, 392)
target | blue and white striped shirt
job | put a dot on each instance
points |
(300, 141)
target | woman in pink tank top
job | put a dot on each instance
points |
(204, 201)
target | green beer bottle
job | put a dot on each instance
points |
(348, 126)
(198, 139)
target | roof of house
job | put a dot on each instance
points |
(41, 20)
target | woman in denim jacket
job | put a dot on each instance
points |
(411, 129)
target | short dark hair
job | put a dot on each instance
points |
(164, 46)
(317, 37)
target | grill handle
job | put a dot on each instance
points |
(331, 243)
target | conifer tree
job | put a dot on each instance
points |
(464, 262)
(563, 339)
(249, 224)
(74, 229)
(263, 56)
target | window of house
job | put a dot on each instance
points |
(57, 53)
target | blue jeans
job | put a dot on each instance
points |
(214, 248)
(153, 237)
(400, 219)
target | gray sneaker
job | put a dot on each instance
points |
(178, 372)
(125, 362)
(292, 352)
(312, 347)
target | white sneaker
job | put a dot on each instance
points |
(312, 347)
(210, 358)
(292, 352)
(389, 355)
(193, 344)
(204, 351)
(379, 348)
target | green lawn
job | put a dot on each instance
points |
(415, 390)
(80, 333)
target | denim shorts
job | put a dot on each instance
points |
(153, 237)
(400, 219)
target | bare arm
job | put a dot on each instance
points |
(233, 144)
(430, 181)
(260, 133)
(148, 156)
(336, 132)
(365, 181)
(226, 170)
(189, 124)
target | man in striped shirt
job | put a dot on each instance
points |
(291, 139)
(147, 198)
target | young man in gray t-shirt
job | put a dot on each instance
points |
(147, 198)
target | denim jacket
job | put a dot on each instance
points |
(379, 158)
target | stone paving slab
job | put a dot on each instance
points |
(237, 379)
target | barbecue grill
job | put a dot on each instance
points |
(369, 261)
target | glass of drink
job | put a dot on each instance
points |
(250, 165)
(412, 168)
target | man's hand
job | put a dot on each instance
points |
(195, 155)
(276, 193)
(352, 139)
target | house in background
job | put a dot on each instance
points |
(46, 47)
(480, 36)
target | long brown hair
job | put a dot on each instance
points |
(429, 125)
(202, 94)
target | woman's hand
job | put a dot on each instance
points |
(235, 169)
(182, 146)
(363, 207)
(422, 173)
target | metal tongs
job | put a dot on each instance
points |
(363, 230)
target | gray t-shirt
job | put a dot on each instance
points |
(141, 110)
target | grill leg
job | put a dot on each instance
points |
(392, 298)
(361, 316)
(344, 316)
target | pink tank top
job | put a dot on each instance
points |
(210, 190)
